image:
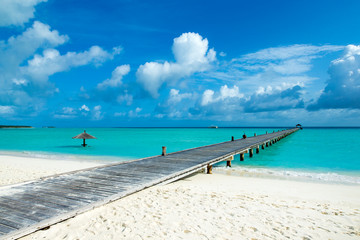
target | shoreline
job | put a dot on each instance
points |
(305, 175)
(203, 206)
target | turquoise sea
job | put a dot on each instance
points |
(326, 154)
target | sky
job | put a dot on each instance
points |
(132, 63)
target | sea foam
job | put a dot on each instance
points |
(330, 177)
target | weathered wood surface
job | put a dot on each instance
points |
(27, 207)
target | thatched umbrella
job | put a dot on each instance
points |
(84, 136)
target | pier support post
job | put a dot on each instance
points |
(267, 144)
(263, 146)
(232, 138)
(251, 152)
(242, 156)
(228, 161)
(209, 169)
(257, 149)
(163, 151)
(270, 143)
(254, 134)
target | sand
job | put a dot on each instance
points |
(16, 169)
(218, 206)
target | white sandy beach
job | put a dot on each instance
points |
(204, 206)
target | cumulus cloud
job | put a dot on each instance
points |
(15, 87)
(175, 96)
(40, 67)
(343, 87)
(224, 93)
(176, 105)
(84, 108)
(270, 99)
(273, 66)
(17, 12)
(18, 48)
(191, 54)
(28, 59)
(116, 77)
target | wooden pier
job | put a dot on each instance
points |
(30, 206)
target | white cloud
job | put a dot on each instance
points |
(4, 110)
(66, 113)
(127, 98)
(224, 93)
(24, 72)
(136, 113)
(84, 108)
(207, 97)
(273, 67)
(116, 77)
(17, 49)
(175, 96)
(222, 54)
(96, 113)
(17, 12)
(288, 52)
(343, 87)
(69, 110)
(41, 67)
(13, 53)
(191, 54)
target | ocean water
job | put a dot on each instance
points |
(325, 154)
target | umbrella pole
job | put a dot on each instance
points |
(84, 143)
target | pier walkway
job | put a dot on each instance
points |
(34, 205)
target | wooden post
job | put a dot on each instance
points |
(270, 142)
(257, 149)
(254, 134)
(228, 162)
(242, 157)
(267, 144)
(263, 146)
(163, 151)
(232, 138)
(251, 153)
(209, 169)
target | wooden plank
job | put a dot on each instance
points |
(15, 209)
(31, 207)
(6, 229)
(10, 224)
(96, 193)
(42, 202)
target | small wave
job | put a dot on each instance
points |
(330, 177)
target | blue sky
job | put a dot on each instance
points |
(179, 63)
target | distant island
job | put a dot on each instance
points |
(13, 126)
